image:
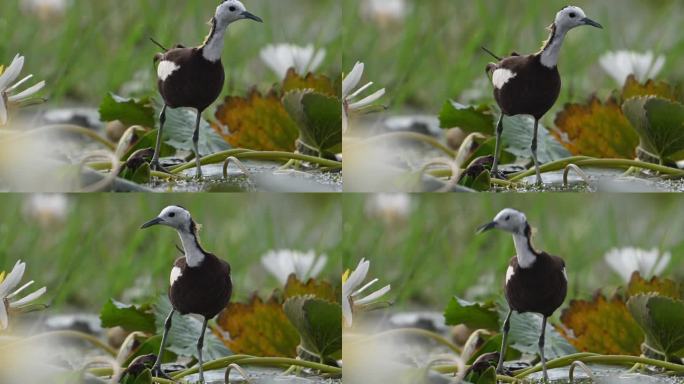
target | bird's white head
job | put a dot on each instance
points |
(571, 17)
(508, 220)
(230, 11)
(172, 216)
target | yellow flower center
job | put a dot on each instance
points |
(2, 274)
(345, 276)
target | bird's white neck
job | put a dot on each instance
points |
(551, 50)
(524, 253)
(194, 254)
(213, 46)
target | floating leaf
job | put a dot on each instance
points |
(128, 111)
(128, 317)
(320, 289)
(185, 330)
(517, 137)
(318, 83)
(663, 287)
(258, 328)
(602, 326)
(659, 123)
(473, 315)
(258, 122)
(180, 126)
(633, 88)
(319, 118)
(468, 118)
(319, 323)
(596, 129)
(662, 320)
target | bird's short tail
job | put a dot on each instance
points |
(491, 53)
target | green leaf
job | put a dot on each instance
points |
(473, 315)
(128, 111)
(470, 119)
(129, 317)
(659, 123)
(150, 347)
(488, 377)
(493, 344)
(662, 320)
(319, 118)
(517, 137)
(487, 149)
(319, 323)
(148, 140)
(145, 377)
(525, 331)
(185, 331)
(180, 126)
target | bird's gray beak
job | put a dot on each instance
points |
(247, 15)
(486, 227)
(155, 221)
(588, 21)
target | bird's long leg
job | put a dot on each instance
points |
(200, 345)
(195, 144)
(541, 349)
(497, 147)
(534, 152)
(154, 165)
(506, 328)
(156, 368)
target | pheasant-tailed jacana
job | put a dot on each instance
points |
(535, 281)
(200, 282)
(530, 84)
(194, 77)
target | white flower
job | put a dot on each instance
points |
(626, 260)
(7, 96)
(391, 207)
(351, 301)
(44, 9)
(47, 209)
(280, 58)
(8, 295)
(384, 12)
(349, 94)
(621, 64)
(284, 262)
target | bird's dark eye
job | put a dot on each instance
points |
(573, 15)
(508, 218)
(232, 9)
(172, 214)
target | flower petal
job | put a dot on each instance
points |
(29, 298)
(3, 111)
(352, 79)
(373, 296)
(4, 316)
(362, 289)
(18, 291)
(11, 73)
(356, 278)
(358, 91)
(27, 92)
(346, 311)
(368, 100)
(19, 83)
(12, 279)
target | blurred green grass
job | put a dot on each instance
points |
(100, 45)
(435, 253)
(434, 54)
(99, 251)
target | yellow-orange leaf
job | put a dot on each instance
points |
(633, 88)
(319, 83)
(320, 289)
(258, 328)
(664, 287)
(258, 122)
(596, 129)
(602, 326)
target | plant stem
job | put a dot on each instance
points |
(409, 136)
(242, 154)
(224, 362)
(601, 359)
(68, 334)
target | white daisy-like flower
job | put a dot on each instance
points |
(47, 209)
(45, 9)
(8, 87)
(626, 261)
(391, 207)
(9, 302)
(351, 293)
(350, 93)
(384, 12)
(619, 65)
(281, 57)
(284, 262)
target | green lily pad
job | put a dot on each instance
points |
(662, 320)
(319, 118)
(517, 138)
(129, 317)
(128, 111)
(659, 123)
(319, 323)
(473, 315)
(185, 331)
(469, 118)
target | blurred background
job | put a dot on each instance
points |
(88, 248)
(85, 48)
(425, 52)
(426, 247)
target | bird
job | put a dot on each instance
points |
(200, 282)
(531, 84)
(535, 282)
(194, 77)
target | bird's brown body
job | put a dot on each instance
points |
(540, 288)
(204, 290)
